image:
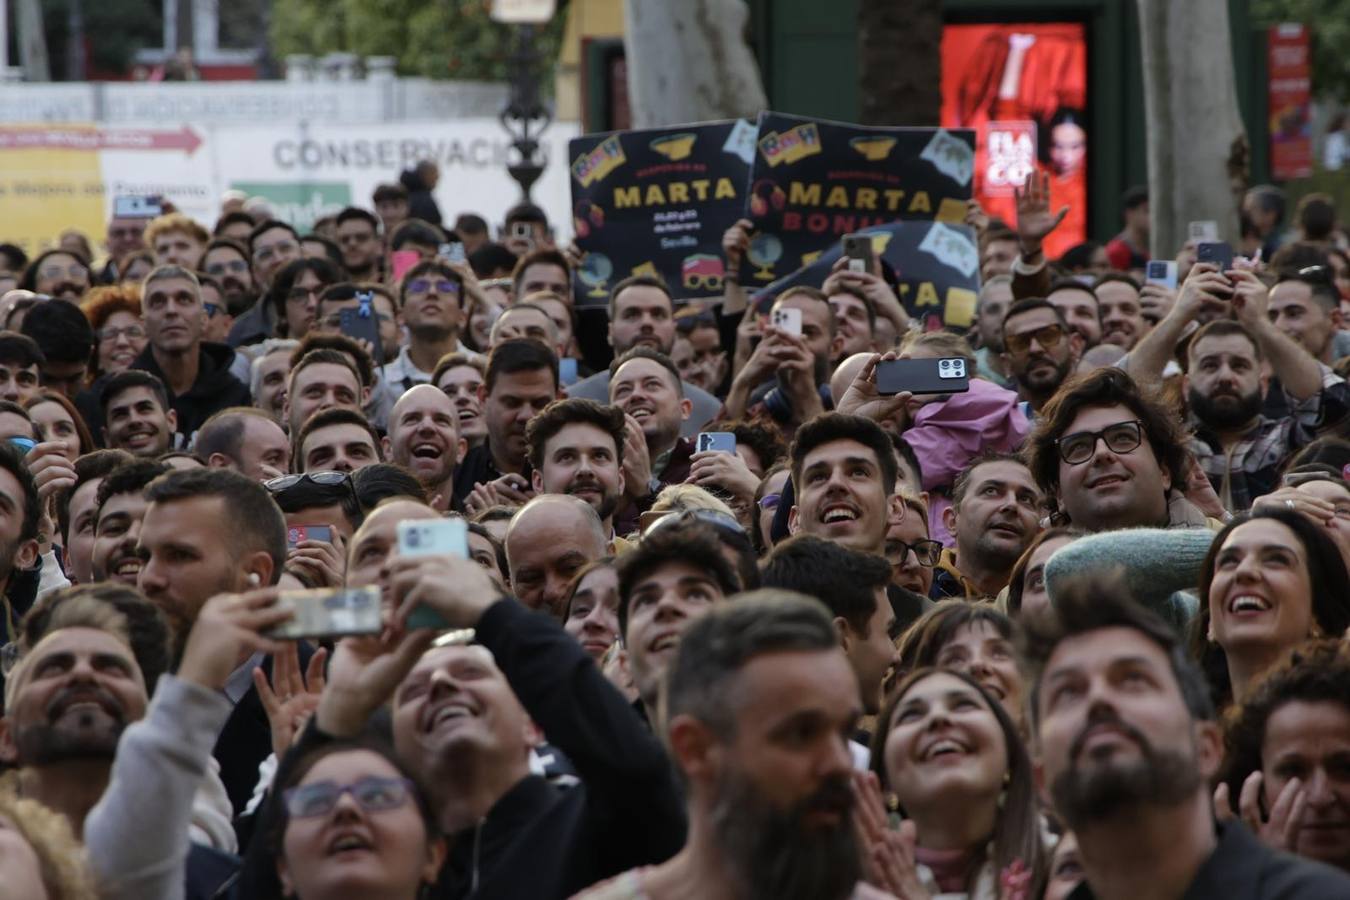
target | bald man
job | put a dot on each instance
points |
(375, 543)
(424, 438)
(547, 543)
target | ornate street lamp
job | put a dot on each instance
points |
(525, 116)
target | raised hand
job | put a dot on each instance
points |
(1034, 219)
(228, 627)
(290, 699)
(735, 244)
(862, 398)
(887, 855)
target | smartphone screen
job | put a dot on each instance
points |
(297, 533)
(1220, 253)
(362, 328)
(717, 441)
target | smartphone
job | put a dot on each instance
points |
(567, 370)
(403, 260)
(22, 444)
(1220, 253)
(1163, 272)
(362, 328)
(787, 320)
(923, 376)
(432, 537)
(129, 207)
(523, 231)
(716, 441)
(1203, 230)
(330, 612)
(451, 252)
(297, 533)
(858, 249)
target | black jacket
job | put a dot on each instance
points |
(1243, 868)
(255, 325)
(421, 205)
(538, 841)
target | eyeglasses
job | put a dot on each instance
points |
(926, 552)
(442, 285)
(1048, 336)
(286, 482)
(220, 268)
(373, 794)
(74, 270)
(131, 332)
(304, 293)
(211, 309)
(1122, 437)
(769, 501)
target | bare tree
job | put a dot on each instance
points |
(688, 62)
(32, 41)
(899, 60)
(1196, 144)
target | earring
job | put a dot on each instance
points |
(892, 802)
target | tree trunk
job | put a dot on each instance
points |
(1195, 132)
(899, 60)
(32, 41)
(688, 62)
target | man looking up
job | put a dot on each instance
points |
(358, 236)
(322, 379)
(136, 414)
(786, 374)
(431, 296)
(21, 364)
(853, 586)
(1126, 747)
(271, 368)
(994, 516)
(673, 577)
(576, 448)
(339, 440)
(521, 379)
(1240, 449)
(843, 479)
(1040, 351)
(642, 313)
(196, 373)
(646, 386)
(548, 541)
(424, 439)
(744, 676)
(119, 510)
(246, 440)
(1307, 309)
(1110, 454)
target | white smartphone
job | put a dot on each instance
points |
(787, 320)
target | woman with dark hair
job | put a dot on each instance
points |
(1270, 581)
(591, 607)
(57, 420)
(294, 295)
(951, 760)
(1026, 584)
(350, 821)
(974, 639)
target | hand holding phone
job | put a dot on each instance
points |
(787, 320)
(716, 442)
(432, 537)
(858, 249)
(330, 612)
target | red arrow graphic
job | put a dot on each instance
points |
(58, 138)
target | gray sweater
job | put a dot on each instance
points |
(1156, 564)
(137, 833)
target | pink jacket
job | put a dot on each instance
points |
(946, 436)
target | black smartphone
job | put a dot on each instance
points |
(858, 249)
(947, 375)
(359, 327)
(1220, 253)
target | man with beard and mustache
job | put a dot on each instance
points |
(57, 273)
(787, 376)
(1126, 747)
(995, 515)
(227, 262)
(759, 703)
(576, 448)
(1040, 351)
(424, 439)
(642, 314)
(120, 505)
(1240, 449)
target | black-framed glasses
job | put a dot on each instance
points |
(1122, 437)
(327, 479)
(212, 309)
(372, 793)
(926, 552)
(1048, 336)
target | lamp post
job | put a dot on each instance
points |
(525, 116)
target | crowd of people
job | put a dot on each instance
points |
(1077, 631)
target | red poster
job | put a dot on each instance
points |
(1289, 92)
(1023, 88)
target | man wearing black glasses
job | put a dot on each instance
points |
(1111, 454)
(1040, 351)
(432, 297)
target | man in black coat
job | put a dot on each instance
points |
(420, 181)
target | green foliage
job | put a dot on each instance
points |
(1328, 23)
(431, 38)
